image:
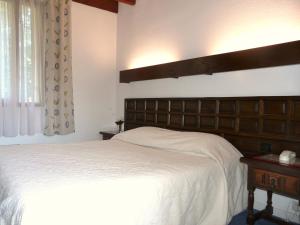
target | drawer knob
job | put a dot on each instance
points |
(297, 186)
(273, 182)
(263, 179)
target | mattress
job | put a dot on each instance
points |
(147, 176)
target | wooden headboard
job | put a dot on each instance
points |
(254, 125)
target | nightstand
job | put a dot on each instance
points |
(267, 173)
(106, 135)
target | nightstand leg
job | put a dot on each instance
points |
(269, 207)
(250, 216)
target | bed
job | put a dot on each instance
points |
(145, 176)
(150, 175)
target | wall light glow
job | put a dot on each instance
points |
(256, 35)
(158, 56)
(234, 26)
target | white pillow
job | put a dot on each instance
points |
(195, 143)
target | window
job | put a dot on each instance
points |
(20, 51)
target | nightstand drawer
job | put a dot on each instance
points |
(277, 182)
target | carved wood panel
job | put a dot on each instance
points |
(253, 124)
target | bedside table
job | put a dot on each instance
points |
(106, 135)
(267, 173)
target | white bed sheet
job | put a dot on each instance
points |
(117, 183)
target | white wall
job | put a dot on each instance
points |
(156, 31)
(94, 75)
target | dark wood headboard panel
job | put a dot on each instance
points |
(254, 125)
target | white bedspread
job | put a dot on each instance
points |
(146, 176)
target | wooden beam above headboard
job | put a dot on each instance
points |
(253, 124)
(262, 57)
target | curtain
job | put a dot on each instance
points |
(21, 60)
(36, 93)
(59, 113)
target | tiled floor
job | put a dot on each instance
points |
(241, 220)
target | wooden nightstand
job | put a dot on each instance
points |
(106, 135)
(266, 173)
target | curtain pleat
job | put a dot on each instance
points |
(59, 115)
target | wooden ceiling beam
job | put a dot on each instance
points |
(108, 5)
(130, 2)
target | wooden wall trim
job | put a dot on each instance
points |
(254, 125)
(269, 56)
(108, 5)
(130, 2)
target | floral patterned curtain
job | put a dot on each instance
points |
(59, 107)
